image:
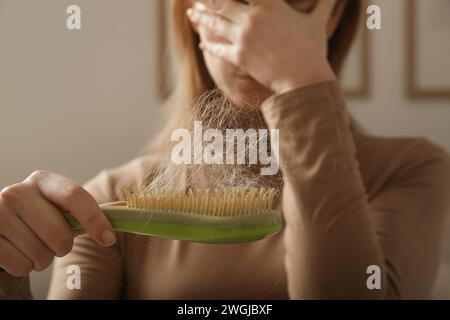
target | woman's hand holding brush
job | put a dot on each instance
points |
(32, 228)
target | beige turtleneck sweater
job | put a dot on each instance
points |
(349, 201)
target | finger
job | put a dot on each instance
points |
(229, 9)
(13, 261)
(305, 7)
(323, 10)
(223, 51)
(26, 241)
(213, 24)
(68, 195)
(42, 217)
(80, 232)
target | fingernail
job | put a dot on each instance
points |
(192, 14)
(200, 6)
(109, 238)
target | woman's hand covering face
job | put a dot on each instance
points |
(277, 45)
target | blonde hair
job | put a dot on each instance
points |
(192, 79)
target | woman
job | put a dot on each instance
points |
(353, 205)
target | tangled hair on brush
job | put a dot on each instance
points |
(215, 111)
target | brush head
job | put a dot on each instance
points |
(223, 203)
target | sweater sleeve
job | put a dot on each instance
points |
(13, 288)
(335, 237)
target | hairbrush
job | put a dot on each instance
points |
(223, 216)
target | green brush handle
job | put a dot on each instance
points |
(189, 226)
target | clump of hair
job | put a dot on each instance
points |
(215, 111)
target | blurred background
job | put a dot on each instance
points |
(76, 102)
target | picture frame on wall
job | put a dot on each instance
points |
(163, 63)
(428, 47)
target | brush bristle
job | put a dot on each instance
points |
(233, 202)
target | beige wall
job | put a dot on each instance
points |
(390, 111)
(75, 102)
